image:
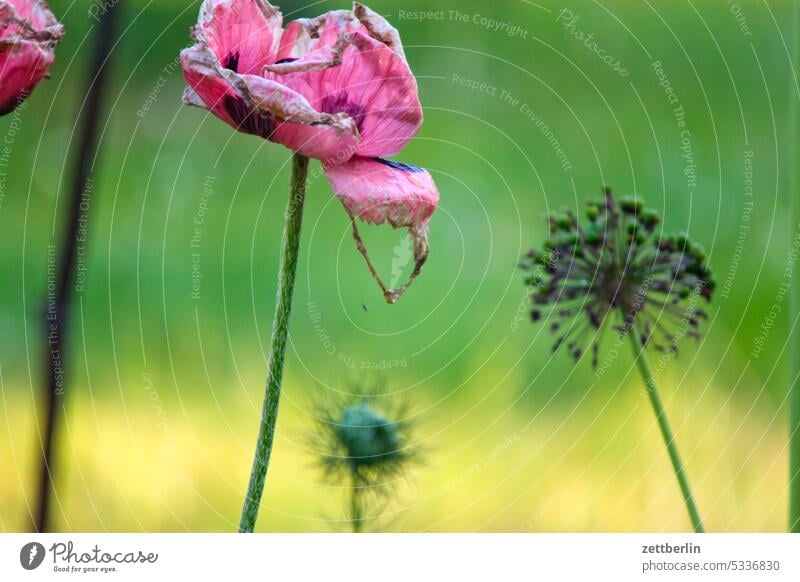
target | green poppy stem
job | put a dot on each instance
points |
(277, 353)
(666, 431)
(794, 364)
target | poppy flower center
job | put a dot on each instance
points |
(231, 62)
(248, 120)
(339, 103)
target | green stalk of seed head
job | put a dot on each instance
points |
(277, 352)
(666, 432)
(356, 506)
(794, 368)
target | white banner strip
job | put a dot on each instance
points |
(401, 557)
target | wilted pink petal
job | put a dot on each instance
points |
(382, 191)
(364, 79)
(307, 35)
(379, 28)
(206, 86)
(28, 33)
(234, 39)
(243, 34)
(262, 107)
(343, 63)
(378, 191)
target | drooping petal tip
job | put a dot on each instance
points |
(380, 191)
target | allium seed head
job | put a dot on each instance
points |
(617, 265)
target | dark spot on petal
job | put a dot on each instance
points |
(14, 102)
(339, 103)
(248, 120)
(286, 60)
(399, 165)
(231, 62)
(8, 106)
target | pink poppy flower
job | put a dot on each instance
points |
(336, 88)
(28, 33)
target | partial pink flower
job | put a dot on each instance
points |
(336, 88)
(28, 35)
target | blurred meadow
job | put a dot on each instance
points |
(172, 313)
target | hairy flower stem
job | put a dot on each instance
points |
(794, 364)
(666, 431)
(277, 353)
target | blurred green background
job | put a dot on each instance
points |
(165, 386)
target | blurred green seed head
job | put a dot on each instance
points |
(364, 444)
(368, 438)
(364, 437)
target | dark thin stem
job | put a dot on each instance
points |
(356, 507)
(666, 431)
(57, 306)
(794, 387)
(277, 354)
